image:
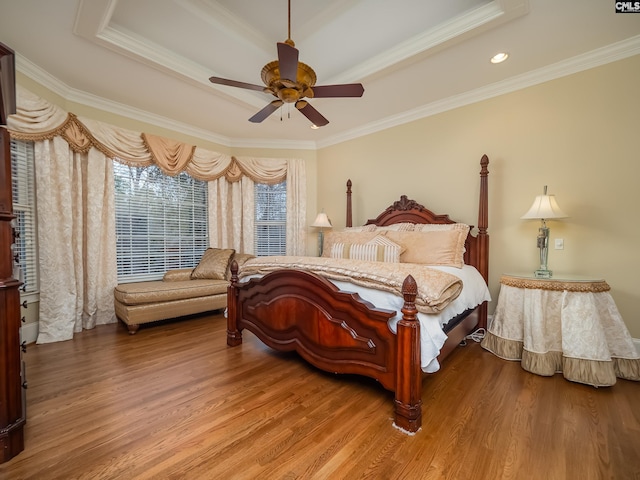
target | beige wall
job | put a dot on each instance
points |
(577, 134)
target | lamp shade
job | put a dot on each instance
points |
(544, 207)
(322, 221)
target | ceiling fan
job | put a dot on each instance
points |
(291, 81)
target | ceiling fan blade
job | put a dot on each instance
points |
(312, 114)
(266, 111)
(287, 61)
(233, 83)
(345, 90)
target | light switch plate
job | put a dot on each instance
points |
(559, 244)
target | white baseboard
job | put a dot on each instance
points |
(29, 332)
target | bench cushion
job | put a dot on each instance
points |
(158, 291)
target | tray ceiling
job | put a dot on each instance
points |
(151, 59)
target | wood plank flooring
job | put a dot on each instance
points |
(174, 402)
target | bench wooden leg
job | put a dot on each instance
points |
(133, 328)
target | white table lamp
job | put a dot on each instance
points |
(321, 222)
(544, 207)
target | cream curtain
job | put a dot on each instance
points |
(231, 214)
(75, 195)
(232, 204)
(76, 238)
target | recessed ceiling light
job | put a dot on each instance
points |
(499, 57)
(314, 127)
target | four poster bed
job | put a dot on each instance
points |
(303, 304)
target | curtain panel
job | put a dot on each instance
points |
(76, 214)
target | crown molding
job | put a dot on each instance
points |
(429, 40)
(602, 56)
(78, 96)
(69, 94)
(275, 144)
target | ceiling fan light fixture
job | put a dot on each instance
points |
(499, 57)
(290, 81)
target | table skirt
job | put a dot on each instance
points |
(579, 333)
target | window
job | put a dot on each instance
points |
(271, 219)
(161, 222)
(24, 208)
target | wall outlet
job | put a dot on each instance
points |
(559, 244)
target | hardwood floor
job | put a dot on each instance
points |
(173, 401)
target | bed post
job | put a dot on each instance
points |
(483, 236)
(234, 336)
(408, 401)
(349, 222)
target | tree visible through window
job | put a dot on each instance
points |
(24, 209)
(271, 219)
(161, 221)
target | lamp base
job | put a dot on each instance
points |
(543, 274)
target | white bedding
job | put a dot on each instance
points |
(432, 337)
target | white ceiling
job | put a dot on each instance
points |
(151, 59)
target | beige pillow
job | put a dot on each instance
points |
(430, 227)
(397, 227)
(213, 264)
(345, 236)
(177, 275)
(379, 249)
(440, 247)
(363, 228)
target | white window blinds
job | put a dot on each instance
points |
(24, 208)
(271, 219)
(161, 222)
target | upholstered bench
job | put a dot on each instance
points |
(181, 292)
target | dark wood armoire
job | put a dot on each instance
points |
(12, 414)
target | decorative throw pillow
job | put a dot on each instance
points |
(379, 249)
(213, 264)
(382, 239)
(345, 236)
(440, 247)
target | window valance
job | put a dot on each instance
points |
(36, 120)
(75, 186)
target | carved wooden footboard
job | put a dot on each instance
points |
(333, 330)
(291, 310)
